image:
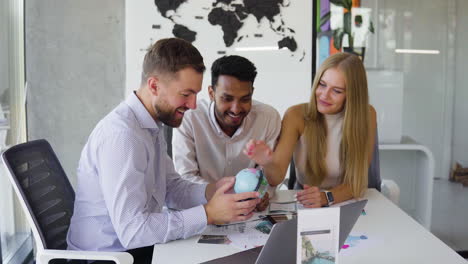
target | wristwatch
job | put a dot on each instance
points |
(329, 196)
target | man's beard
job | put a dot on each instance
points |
(167, 115)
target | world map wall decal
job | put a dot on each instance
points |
(276, 35)
(230, 16)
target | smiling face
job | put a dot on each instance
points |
(331, 92)
(233, 100)
(175, 95)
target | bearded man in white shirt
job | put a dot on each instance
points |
(208, 145)
(125, 177)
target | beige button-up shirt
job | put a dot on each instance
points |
(203, 153)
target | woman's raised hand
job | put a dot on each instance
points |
(258, 151)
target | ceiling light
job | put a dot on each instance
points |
(417, 51)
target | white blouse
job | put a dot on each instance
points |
(334, 170)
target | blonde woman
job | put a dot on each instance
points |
(331, 138)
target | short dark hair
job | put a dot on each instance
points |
(233, 65)
(170, 55)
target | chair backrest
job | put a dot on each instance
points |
(43, 190)
(168, 138)
(292, 175)
(374, 179)
(373, 175)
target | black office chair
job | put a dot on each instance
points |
(47, 198)
(374, 179)
(168, 137)
(292, 175)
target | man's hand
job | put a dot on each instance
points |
(263, 204)
(225, 208)
(310, 197)
(212, 187)
(224, 180)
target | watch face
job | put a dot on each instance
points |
(330, 197)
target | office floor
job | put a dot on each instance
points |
(450, 213)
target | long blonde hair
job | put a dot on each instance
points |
(355, 142)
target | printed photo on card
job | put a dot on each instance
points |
(318, 236)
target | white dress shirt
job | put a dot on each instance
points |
(125, 177)
(202, 152)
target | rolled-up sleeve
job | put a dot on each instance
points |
(123, 161)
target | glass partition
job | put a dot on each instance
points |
(15, 238)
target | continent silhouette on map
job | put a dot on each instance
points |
(265, 8)
(229, 23)
(288, 42)
(166, 5)
(179, 31)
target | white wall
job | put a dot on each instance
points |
(460, 118)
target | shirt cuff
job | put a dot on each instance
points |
(195, 221)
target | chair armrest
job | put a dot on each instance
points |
(391, 190)
(44, 256)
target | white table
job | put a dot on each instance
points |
(393, 237)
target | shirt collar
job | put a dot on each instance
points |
(141, 113)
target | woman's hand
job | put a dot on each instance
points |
(310, 197)
(258, 151)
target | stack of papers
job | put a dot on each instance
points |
(282, 208)
(245, 235)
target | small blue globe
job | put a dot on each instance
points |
(247, 180)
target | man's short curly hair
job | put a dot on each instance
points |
(235, 66)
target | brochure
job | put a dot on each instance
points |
(318, 235)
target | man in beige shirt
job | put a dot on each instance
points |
(209, 143)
